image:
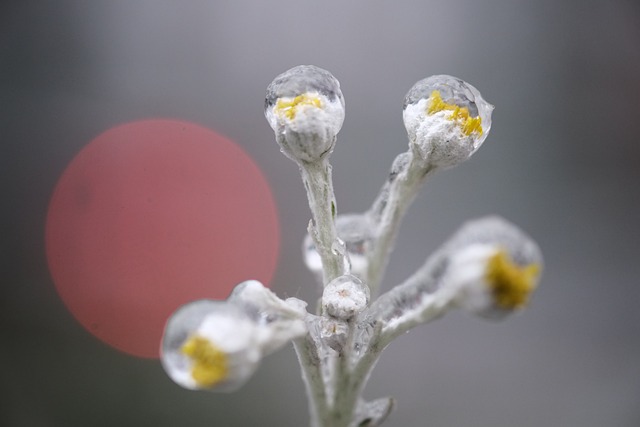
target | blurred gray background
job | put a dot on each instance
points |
(562, 161)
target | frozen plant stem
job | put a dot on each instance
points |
(350, 381)
(488, 267)
(319, 185)
(334, 397)
(314, 383)
(388, 211)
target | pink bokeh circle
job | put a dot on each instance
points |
(153, 214)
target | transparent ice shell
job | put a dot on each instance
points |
(452, 133)
(309, 134)
(226, 326)
(345, 296)
(302, 79)
(453, 91)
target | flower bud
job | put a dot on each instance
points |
(305, 108)
(217, 345)
(493, 268)
(446, 119)
(210, 345)
(345, 296)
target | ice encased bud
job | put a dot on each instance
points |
(493, 267)
(305, 108)
(210, 345)
(446, 119)
(345, 296)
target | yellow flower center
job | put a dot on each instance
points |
(460, 115)
(209, 362)
(289, 107)
(509, 283)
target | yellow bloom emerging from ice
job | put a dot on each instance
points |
(289, 106)
(217, 345)
(509, 283)
(210, 364)
(493, 268)
(305, 108)
(461, 115)
(447, 120)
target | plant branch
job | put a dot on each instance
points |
(405, 180)
(318, 183)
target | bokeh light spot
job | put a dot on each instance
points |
(151, 215)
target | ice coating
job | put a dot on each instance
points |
(446, 119)
(454, 91)
(458, 266)
(225, 327)
(356, 231)
(494, 230)
(305, 108)
(345, 297)
(488, 267)
(278, 321)
(264, 305)
(302, 79)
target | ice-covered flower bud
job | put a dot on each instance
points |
(493, 268)
(446, 119)
(489, 267)
(210, 345)
(217, 345)
(345, 296)
(305, 108)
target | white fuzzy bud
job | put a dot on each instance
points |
(489, 267)
(210, 345)
(217, 345)
(493, 268)
(345, 296)
(305, 108)
(446, 119)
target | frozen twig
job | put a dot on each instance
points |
(488, 267)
